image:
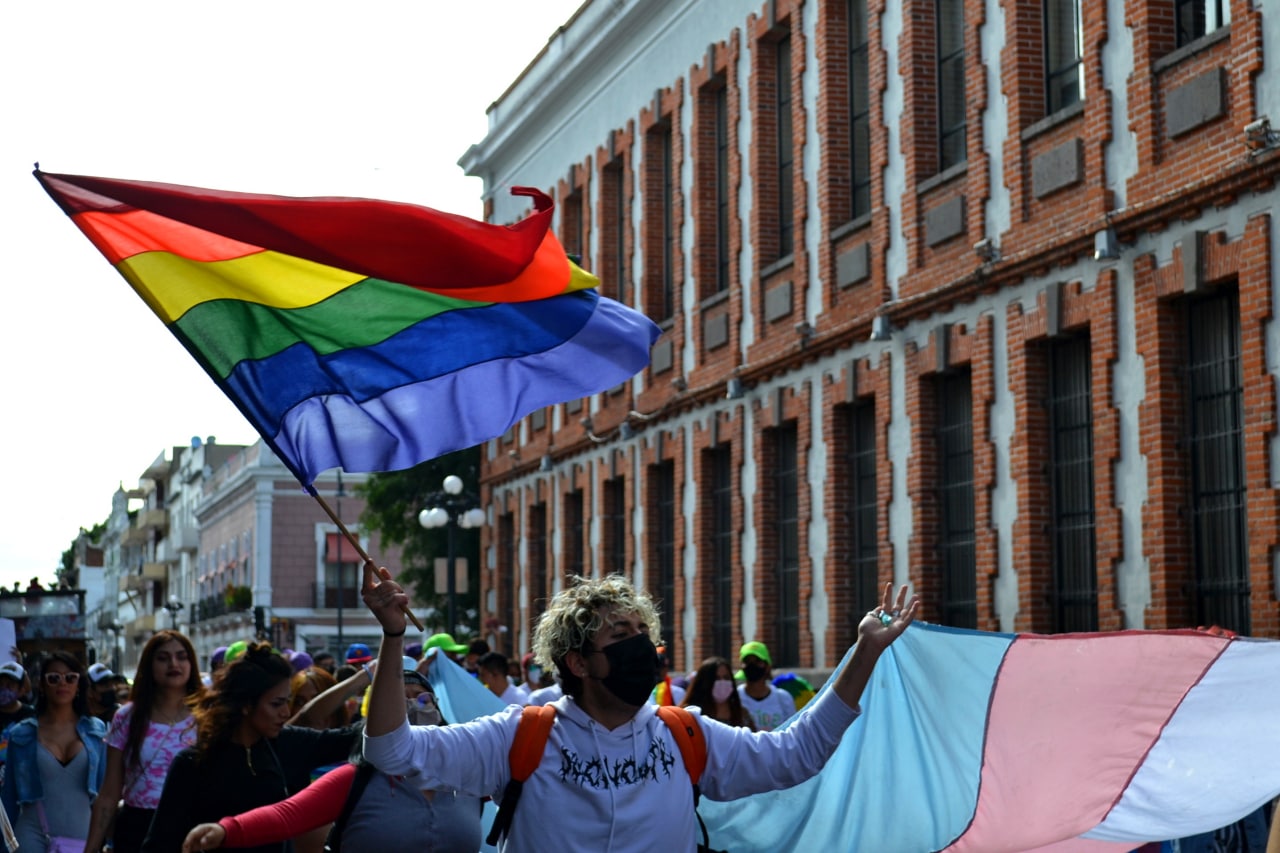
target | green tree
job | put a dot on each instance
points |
(392, 503)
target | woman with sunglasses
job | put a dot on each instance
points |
(245, 755)
(370, 810)
(56, 759)
(144, 737)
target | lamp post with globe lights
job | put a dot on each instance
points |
(452, 508)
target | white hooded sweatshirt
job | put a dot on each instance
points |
(620, 791)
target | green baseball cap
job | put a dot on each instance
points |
(757, 648)
(444, 642)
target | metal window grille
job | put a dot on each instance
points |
(861, 507)
(574, 550)
(721, 97)
(859, 108)
(574, 226)
(1063, 49)
(1215, 437)
(956, 555)
(664, 543)
(786, 149)
(952, 121)
(507, 573)
(669, 236)
(1195, 19)
(787, 526)
(615, 508)
(1070, 414)
(722, 501)
(537, 560)
(617, 178)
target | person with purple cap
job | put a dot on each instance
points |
(300, 661)
(217, 661)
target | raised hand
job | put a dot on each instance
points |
(884, 624)
(385, 598)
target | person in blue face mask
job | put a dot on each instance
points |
(609, 763)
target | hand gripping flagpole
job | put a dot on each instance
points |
(355, 543)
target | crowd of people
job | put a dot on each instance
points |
(288, 752)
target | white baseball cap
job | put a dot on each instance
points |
(13, 669)
(99, 671)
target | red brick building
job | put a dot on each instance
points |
(970, 294)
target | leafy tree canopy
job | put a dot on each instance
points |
(392, 503)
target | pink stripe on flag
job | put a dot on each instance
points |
(1089, 706)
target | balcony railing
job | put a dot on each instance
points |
(238, 600)
(157, 519)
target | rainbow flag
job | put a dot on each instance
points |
(358, 333)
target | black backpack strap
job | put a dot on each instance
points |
(364, 772)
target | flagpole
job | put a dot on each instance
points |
(355, 543)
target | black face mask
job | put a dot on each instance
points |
(633, 669)
(755, 671)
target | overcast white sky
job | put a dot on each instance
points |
(376, 99)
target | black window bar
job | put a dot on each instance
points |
(722, 501)
(615, 497)
(507, 572)
(1074, 596)
(721, 97)
(1215, 439)
(956, 540)
(537, 561)
(861, 506)
(664, 481)
(574, 550)
(787, 522)
(859, 109)
(786, 150)
(1063, 49)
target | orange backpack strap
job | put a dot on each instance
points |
(688, 734)
(531, 740)
(527, 748)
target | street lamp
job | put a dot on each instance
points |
(173, 605)
(452, 508)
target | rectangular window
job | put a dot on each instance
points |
(615, 215)
(537, 561)
(575, 533)
(667, 261)
(859, 108)
(721, 511)
(1063, 49)
(787, 527)
(786, 150)
(615, 525)
(957, 559)
(1070, 418)
(721, 97)
(1197, 18)
(952, 122)
(507, 576)
(1215, 427)
(861, 506)
(664, 540)
(341, 572)
(573, 225)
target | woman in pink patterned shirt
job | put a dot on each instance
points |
(142, 740)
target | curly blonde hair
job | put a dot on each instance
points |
(576, 613)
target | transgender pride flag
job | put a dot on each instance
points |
(984, 742)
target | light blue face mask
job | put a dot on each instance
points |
(535, 674)
(7, 695)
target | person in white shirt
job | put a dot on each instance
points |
(769, 706)
(492, 672)
(610, 764)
